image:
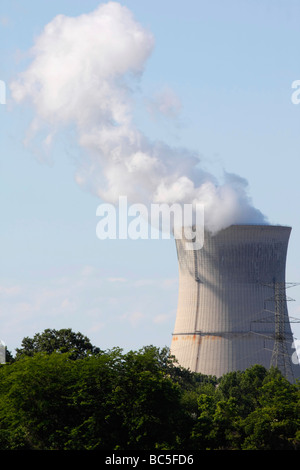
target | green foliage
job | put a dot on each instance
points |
(64, 340)
(103, 401)
(251, 410)
(275, 423)
(62, 393)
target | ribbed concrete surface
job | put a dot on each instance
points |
(223, 318)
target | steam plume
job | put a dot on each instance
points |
(81, 74)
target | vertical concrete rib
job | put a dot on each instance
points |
(223, 322)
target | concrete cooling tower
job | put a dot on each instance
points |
(232, 307)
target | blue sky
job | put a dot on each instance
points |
(223, 71)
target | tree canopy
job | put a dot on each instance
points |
(64, 340)
(63, 393)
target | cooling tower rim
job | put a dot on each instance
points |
(254, 228)
(243, 231)
(257, 226)
(247, 227)
(260, 225)
(251, 230)
(240, 232)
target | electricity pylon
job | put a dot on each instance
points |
(280, 356)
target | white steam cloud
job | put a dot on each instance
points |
(81, 75)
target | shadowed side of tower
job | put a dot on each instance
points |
(226, 315)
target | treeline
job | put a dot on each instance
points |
(60, 392)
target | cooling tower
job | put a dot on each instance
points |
(232, 308)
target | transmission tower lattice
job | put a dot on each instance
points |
(280, 356)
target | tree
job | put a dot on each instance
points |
(244, 386)
(139, 400)
(63, 341)
(202, 431)
(255, 409)
(275, 424)
(147, 401)
(106, 401)
(35, 401)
